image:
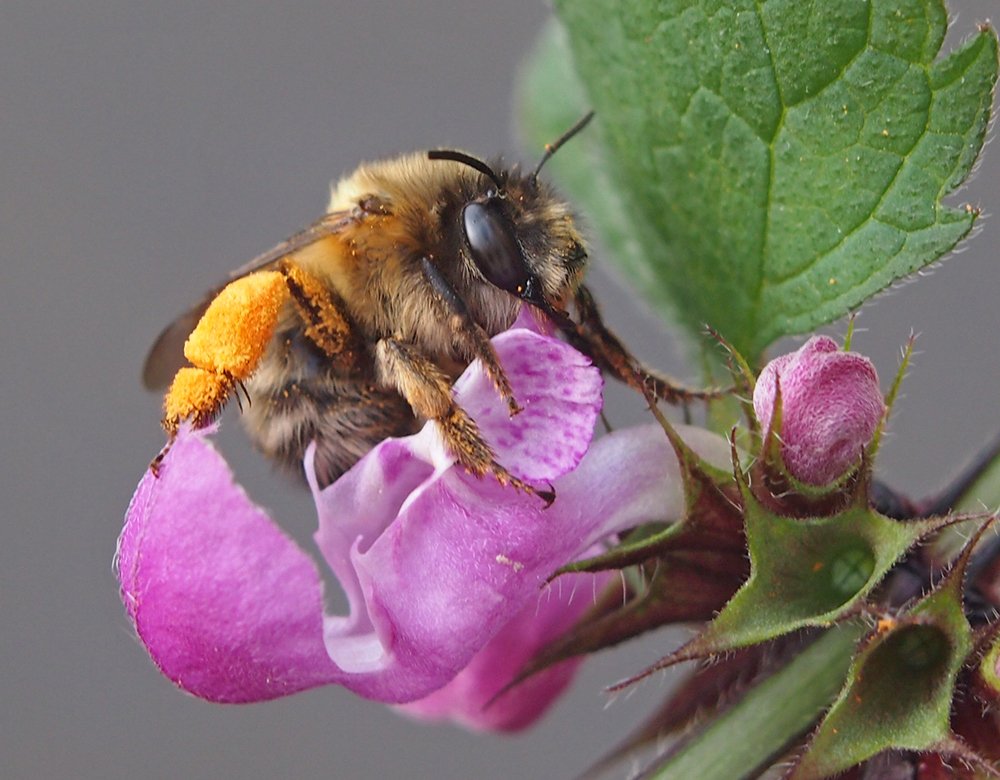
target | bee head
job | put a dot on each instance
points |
(519, 235)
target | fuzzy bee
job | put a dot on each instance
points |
(354, 329)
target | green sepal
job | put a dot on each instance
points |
(900, 688)
(890, 400)
(804, 572)
(809, 572)
(720, 412)
(987, 673)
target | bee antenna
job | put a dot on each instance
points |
(551, 149)
(466, 159)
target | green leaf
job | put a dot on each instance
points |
(552, 99)
(984, 491)
(764, 167)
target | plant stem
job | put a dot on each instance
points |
(754, 731)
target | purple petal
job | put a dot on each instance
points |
(468, 698)
(229, 608)
(462, 556)
(559, 391)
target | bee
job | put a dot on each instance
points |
(354, 329)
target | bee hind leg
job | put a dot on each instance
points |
(428, 391)
(224, 349)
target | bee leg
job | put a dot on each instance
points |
(225, 348)
(428, 391)
(324, 320)
(157, 462)
(469, 333)
(592, 337)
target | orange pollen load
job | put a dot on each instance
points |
(225, 348)
(234, 332)
(196, 395)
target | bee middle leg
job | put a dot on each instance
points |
(325, 323)
(428, 391)
(592, 337)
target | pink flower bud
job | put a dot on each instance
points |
(831, 406)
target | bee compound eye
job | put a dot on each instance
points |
(494, 248)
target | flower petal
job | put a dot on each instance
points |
(461, 557)
(559, 391)
(231, 610)
(469, 698)
(228, 607)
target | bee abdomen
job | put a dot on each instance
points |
(345, 419)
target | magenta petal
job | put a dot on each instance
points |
(468, 698)
(398, 528)
(559, 391)
(462, 556)
(228, 607)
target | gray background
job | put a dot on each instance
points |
(147, 148)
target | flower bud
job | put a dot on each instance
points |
(831, 406)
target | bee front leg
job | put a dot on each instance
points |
(592, 337)
(428, 391)
(469, 334)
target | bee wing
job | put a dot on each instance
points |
(166, 356)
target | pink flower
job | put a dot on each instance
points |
(831, 406)
(443, 572)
